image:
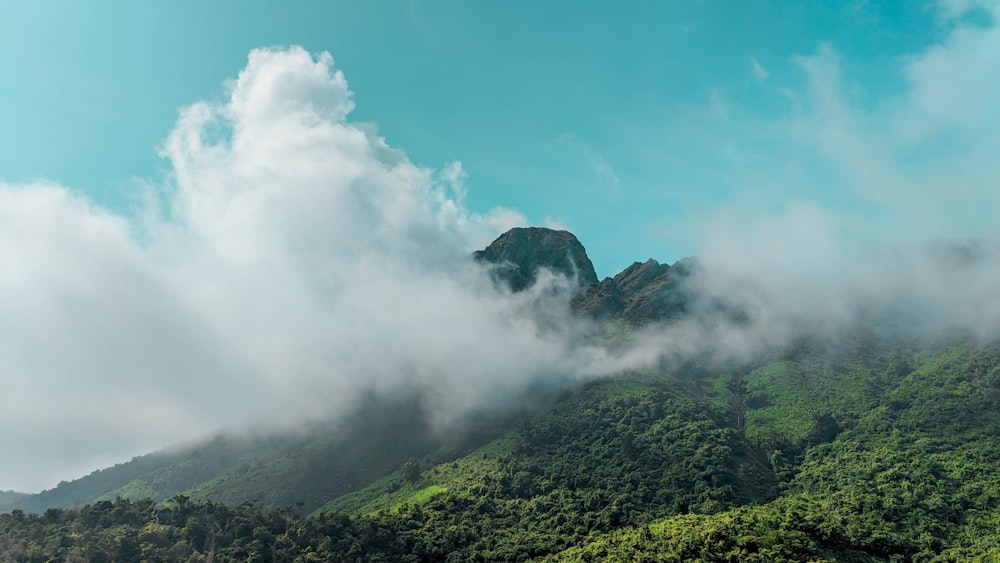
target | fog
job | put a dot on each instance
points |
(291, 261)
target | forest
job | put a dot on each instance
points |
(865, 453)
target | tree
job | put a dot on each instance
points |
(411, 470)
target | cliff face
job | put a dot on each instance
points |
(643, 292)
(521, 252)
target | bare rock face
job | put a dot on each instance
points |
(654, 291)
(642, 293)
(522, 251)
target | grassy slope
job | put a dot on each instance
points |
(90, 488)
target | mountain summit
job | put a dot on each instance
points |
(768, 458)
(522, 251)
(644, 292)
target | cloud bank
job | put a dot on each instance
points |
(290, 261)
(917, 166)
(789, 257)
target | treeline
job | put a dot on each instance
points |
(183, 530)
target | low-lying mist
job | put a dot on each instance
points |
(923, 294)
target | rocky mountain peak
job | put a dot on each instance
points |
(522, 251)
(639, 275)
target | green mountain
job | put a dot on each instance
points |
(868, 448)
(10, 497)
(305, 469)
(311, 467)
(862, 457)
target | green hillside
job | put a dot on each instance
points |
(305, 468)
(914, 477)
(859, 446)
(890, 453)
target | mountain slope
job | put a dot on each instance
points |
(864, 446)
(861, 456)
(916, 476)
(305, 468)
(609, 455)
(9, 498)
(316, 464)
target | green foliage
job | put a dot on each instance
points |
(611, 455)
(873, 454)
(916, 476)
(411, 470)
(323, 463)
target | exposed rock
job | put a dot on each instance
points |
(633, 279)
(655, 292)
(603, 300)
(521, 252)
(642, 293)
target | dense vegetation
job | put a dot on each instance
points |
(309, 467)
(913, 476)
(867, 453)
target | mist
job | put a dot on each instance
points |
(291, 261)
(851, 213)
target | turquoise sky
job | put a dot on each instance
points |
(620, 121)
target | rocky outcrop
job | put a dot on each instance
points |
(521, 252)
(642, 293)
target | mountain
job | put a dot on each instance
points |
(521, 252)
(643, 292)
(863, 457)
(870, 448)
(8, 498)
(306, 468)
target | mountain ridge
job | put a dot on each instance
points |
(642, 293)
(867, 448)
(649, 294)
(518, 254)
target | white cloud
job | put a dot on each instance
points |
(926, 157)
(601, 167)
(295, 260)
(953, 85)
(917, 165)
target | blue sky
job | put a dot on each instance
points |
(619, 121)
(219, 215)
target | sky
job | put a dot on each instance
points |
(196, 199)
